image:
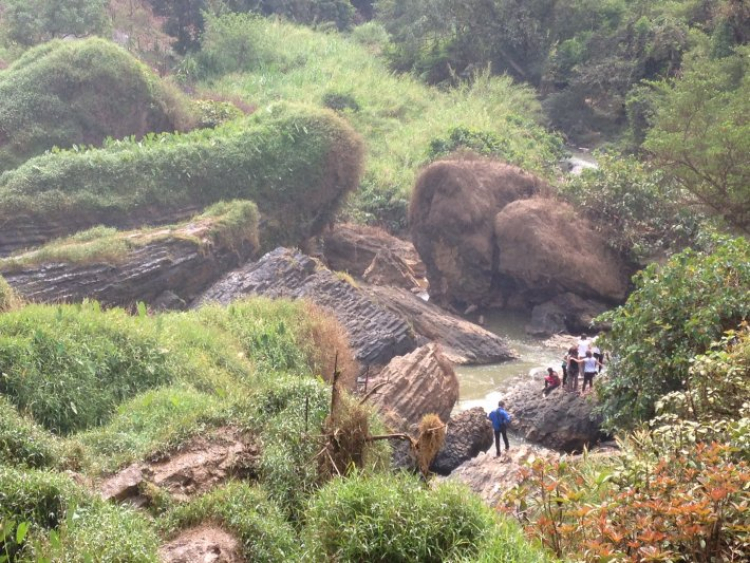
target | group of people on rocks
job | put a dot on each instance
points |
(583, 358)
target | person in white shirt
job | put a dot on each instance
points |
(584, 345)
(590, 364)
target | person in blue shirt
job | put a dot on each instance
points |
(500, 420)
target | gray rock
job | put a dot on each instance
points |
(469, 433)
(563, 421)
(376, 335)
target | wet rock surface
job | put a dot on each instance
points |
(204, 544)
(462, 342)
(375, 334)
(198, 466)
(414, 385)
(563, 421)
(469, 433)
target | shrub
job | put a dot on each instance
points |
(246, 511)
(70, 366)
(79, 93)
(656, 502)
(22, 442)
(297, 165)
(396, 518)
(639, 212)
(674, 314)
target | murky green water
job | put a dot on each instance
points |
(483, 386)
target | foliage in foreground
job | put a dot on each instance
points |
(656, 502)
(675, 313)
(246, 511)
(67, 93)
(396, 518)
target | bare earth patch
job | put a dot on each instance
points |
(205, 544)
(200, 465)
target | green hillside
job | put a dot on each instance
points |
(66, 93)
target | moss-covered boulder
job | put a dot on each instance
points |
(295, 163)
(66, 93)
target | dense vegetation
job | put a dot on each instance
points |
(296, 164)
(102, 389)
(79, 93)
(401, 119)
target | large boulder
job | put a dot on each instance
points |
(414, 385)
(376, 335)
(469, 433)
(353, 248)
(546, 249)
(462, 342)
(566, 312)
(563, 420)
(452, 215)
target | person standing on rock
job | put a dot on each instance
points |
(590, 364)
(584, 345)
(597, 353)
(573, 369)
(500, 421)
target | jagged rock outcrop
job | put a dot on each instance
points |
(165, 268)
(563, 421)
(388, 268)
(462, 342)
(414, 385)
(352, 248)
(469, 433)
(490, 477)
(547, 249)
(452, 214)
(375, 334)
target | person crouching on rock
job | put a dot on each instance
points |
(551, 381)
(500, 420)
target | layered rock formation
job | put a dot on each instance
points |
(414, 385)
(170, 266)
(375, 334)
(462, 342)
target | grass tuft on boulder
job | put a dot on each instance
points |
(296, 164)
(67, 93)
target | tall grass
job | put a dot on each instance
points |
(397, 115)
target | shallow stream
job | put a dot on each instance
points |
(483, 386)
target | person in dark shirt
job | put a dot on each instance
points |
(500, 420)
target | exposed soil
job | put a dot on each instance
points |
(205, 544)
(200, 465)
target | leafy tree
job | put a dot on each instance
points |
(701, 134)
(675, 314)
(29, 22)
(184, 21)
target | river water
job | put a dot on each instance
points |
(483, 386)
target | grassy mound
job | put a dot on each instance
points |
(296, 164)
(66, 93)
(405, 123)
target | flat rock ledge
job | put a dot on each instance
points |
(375, 334)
